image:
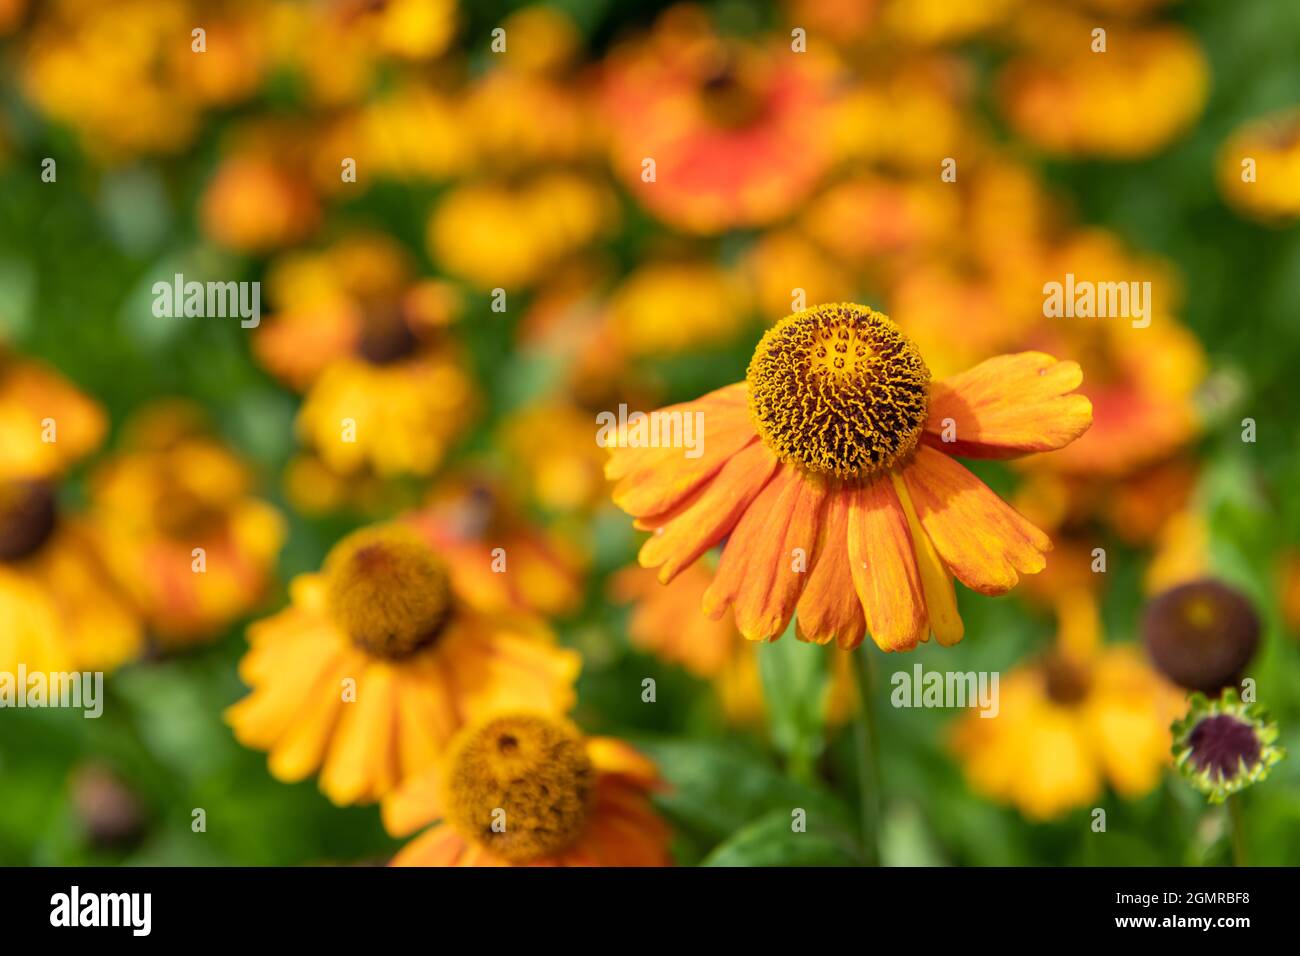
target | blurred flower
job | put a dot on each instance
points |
(386, 389)
(525, 789)
(1223, 746)
(122, 75)
(58, 608)
(941, 21)
(1066, 724)
(174, 514)
(1290, 590)
(734, 130)
(46, 424)
(1259, 168)
(1147, 87)
(666, 307)
(551, 446)
(784, 263)
(257, 203)
(666, 621)
(1201, 635)
(377, 661)
(499, 234)
(498, 559)
(833, 456)
(106, 807)
(339, 46)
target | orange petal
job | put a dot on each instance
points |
(760, 574)
(1008, 406)
(439, 846)
(709, 516)
(936, 581)
(414, 804)
(883, 567)
(653, 480)
(979, 536)
(829, 606)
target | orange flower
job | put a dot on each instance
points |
(46, 424)
(726, 126)
(179, 527)
(524, 789)
(829, 472)
(497, 559)
(377, 662)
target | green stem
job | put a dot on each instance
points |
(1238, 820)
(866, 738)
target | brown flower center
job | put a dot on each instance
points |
(521, 786)
(27, 518)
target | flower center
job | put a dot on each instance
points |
(27, 518)
(385, 336)
(1222, 743)
(838, 390)
(521, 786)
(729, 96)
(388, 591)
(1065, 681)
(1201, 635)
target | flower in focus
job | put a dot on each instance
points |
(386, 390)
(179, 527)
(837, 449)
(732, 129)
(1127, 102)
(1268, 187)
(525, 789)
(1066, 724)
(377, 662)
(498, 560)
(1201, 634)
(1223, 746)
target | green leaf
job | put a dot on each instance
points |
(773, 841)
(716, 787)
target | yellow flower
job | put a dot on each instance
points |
(59, 609)
(1259, 168)
(564, 799)
(387, 393)
(508, 235)
(834, 447)
(785, 264)
(663, 308)
(179, 528)
(377, 662)
(551, 446)
(1069, 723)
(45, 423)
(1130, 101)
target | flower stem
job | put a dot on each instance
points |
(866, 737)
(1238, 820)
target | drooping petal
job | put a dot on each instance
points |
(829, 607)
(936, 580)
(883, 566)
(709, 516)
(1008, 406)
(979, 536)
(757, 574)
(653, 480)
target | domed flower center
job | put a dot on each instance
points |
(521, 786)
(838, 390)
(386, 337)
(1065, 681)
(1201, 635)
(1222, 744)
(27, 518)
(388, 591)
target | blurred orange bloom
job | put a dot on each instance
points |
(569, 801)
